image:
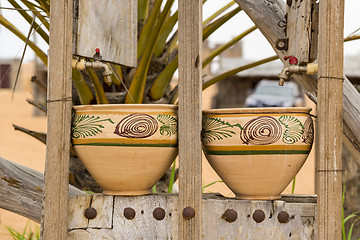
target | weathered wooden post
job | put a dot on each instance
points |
(330, 119)
(157, 216)
(55, 207)
(190, 115)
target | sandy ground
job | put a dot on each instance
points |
(18, 147)
(25, 150)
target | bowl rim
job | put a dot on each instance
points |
(267, 110)
(125, 107)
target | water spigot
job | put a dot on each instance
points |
(286, 72)
(81, 64)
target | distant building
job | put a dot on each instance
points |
(233, 91)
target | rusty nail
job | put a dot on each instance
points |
(230, 215)
(283, 217)
(90, 213)
(159, 213)
(188, 213)
(129, 213)
(258, 216)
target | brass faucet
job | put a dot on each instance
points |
(286, 72)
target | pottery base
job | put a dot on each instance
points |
(127, 193)
(275, 197)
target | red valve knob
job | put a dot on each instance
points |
(292, 59)
(97, 50)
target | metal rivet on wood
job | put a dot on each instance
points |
(90, 213)
(129, 213)
(159, 213)
(188, 213)
(230, 215)
(258, 216)
(283, 217)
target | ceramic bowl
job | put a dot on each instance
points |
(126, 147)
(257, 151)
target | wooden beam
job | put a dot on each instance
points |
(114, 33)
(292, 217)
(21, 190)
(54, 215)
(330, 114)
(299, 32)
(190, 39)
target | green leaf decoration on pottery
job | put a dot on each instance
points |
(216, 129)
(293, 129)
(84, 126)
(170, 124)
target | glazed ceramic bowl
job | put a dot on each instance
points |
(126, 147)
(257, 151)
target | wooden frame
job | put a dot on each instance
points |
(55, 196)
(198, 210)
(330, 119)
(190, 115)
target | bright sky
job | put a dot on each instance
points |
(255, 46)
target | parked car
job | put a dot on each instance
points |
(269, 94)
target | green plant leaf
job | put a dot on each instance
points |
(210, 184)
(30, 20)
(137, 87)
(35, 7)
(82, 88)
(17, 32)
(218, 13)
(164, 34)
(45, 4)
(225, 46)
(160, 84)
(352, 38)
(293, 185)
(116, 77)
(99, 90)
(143, 9)
(153, 189)
(234, 71)
(148, 28)
(172, 178)
(212, 27)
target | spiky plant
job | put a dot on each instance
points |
(157, 55)
(157, 51)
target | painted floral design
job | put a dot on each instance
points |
(84, 126)
(169, 124)
(216, 129)
(293, 129)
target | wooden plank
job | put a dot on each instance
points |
(91, 234)
(329, 123)
(111, 26)
(55, 207)
(314, 32)
(298, 29)
(104, 205)
(300, 225)
(77, 207)
(245, 227)
(190, 115)
(144, 225)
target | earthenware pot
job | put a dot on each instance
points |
(126, 147)
(257, 151)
